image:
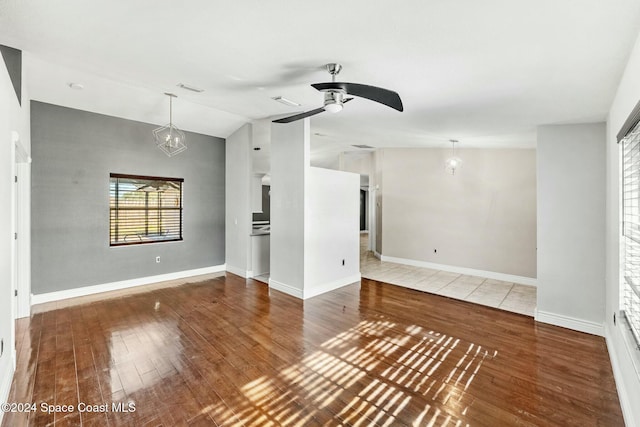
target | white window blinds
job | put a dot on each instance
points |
(630, 286)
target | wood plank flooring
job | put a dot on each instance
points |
(226, 351)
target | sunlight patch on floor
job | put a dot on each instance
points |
(402, 362)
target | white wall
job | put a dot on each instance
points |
(261, 134)
(237, 200)
(571, 223)
(360, 162)
(290, 152)
(482, 218)
(331, 230)
(621, 350)
(314, 218)
(12, 118)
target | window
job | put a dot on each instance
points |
(144, 209)
(630, 280)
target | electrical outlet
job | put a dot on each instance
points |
(157, 260)
(342, 262)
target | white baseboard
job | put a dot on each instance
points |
(580, 325)
(287, 289)
(623, 394)
(330, 286)
(124, 284)
(316, 290)
(530, 281)
(239, 271)
(377, 255)
(5, 387)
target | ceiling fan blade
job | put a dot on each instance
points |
(300, 116)
(374, 93)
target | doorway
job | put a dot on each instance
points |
(21, 274)
(363, 210)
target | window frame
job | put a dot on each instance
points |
(116, 208)
(628, 139)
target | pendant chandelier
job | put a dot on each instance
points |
(453, 162)
(169, 138)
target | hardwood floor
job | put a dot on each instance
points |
(227, 351)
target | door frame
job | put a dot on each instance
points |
(21, 211)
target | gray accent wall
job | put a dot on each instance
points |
(73, 154)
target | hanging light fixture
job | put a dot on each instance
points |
(453, 162)
(169, 138)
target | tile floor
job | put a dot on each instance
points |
(507, 296)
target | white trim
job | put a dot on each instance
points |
(5, 388)
(23, 172)
(316, 290)
(287, 289)
(21, 152)
(10, 345)
(631, 346)
(530, 281)
(114, 286)
(377, 255)
(239, 271)
(330, 286)
(623, 395)
(568, 322)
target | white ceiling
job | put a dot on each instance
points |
(484, 72)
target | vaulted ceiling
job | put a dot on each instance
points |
(486, 73)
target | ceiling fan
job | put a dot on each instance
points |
(335, 95)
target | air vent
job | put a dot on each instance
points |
(285, 101)
(362, 146)
(191, 88)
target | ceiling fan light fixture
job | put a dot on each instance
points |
(333, 107)
(333, 101)
(337, 93)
